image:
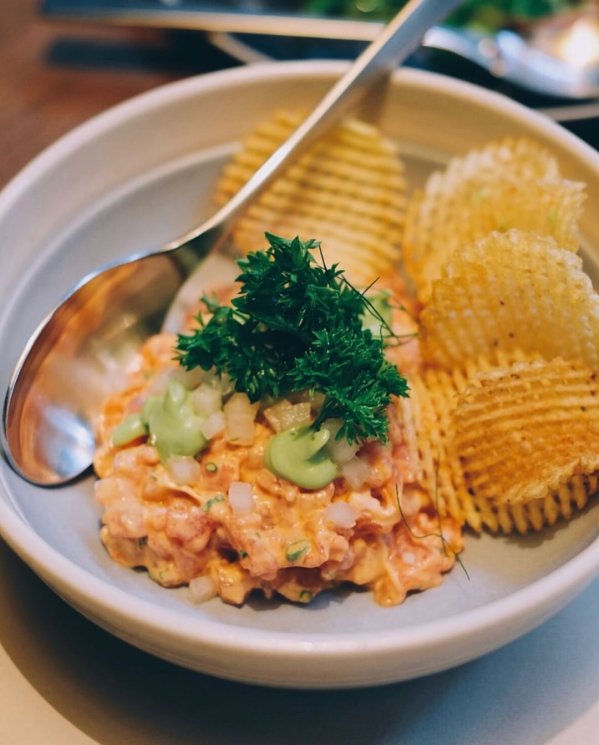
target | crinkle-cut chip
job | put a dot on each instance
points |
(507, 291)
(435, 394)
(513, 183)
(523, 432)
(408, 414)
(348, 191)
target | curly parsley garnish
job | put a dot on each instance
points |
(297, 325)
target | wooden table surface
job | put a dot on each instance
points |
(55, 76)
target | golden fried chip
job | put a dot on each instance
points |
(348, 191)
(436, 396)
(507, 184)
(511, 291)
(523, 432)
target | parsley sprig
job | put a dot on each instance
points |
(297, 325)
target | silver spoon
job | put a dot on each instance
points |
(66, 368)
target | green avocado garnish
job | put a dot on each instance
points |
(299, 456)
(170, 420)
(174, 426)
(131, 428)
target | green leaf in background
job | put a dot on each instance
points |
(487, 14)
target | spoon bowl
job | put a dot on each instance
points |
(69, 364)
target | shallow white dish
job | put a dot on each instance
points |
(139, 175)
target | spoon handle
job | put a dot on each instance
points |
(397, 40)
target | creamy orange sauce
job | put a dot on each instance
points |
(291, 542)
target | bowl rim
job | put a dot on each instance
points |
(547, 593)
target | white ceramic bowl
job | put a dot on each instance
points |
(141, 174)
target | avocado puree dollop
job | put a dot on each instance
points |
(170, 420)
(298, 455)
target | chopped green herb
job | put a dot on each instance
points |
(141, 542)
(297, 549)
(243, 554)
(297, 325)
(305, 596)
(211, 502)
(211, 467)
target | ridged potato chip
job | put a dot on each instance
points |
(348, 191)
(511, 291)
(525, 431)
(453, 456)
(513, 183)
(509, 331)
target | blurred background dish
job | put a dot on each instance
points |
(547, 47)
